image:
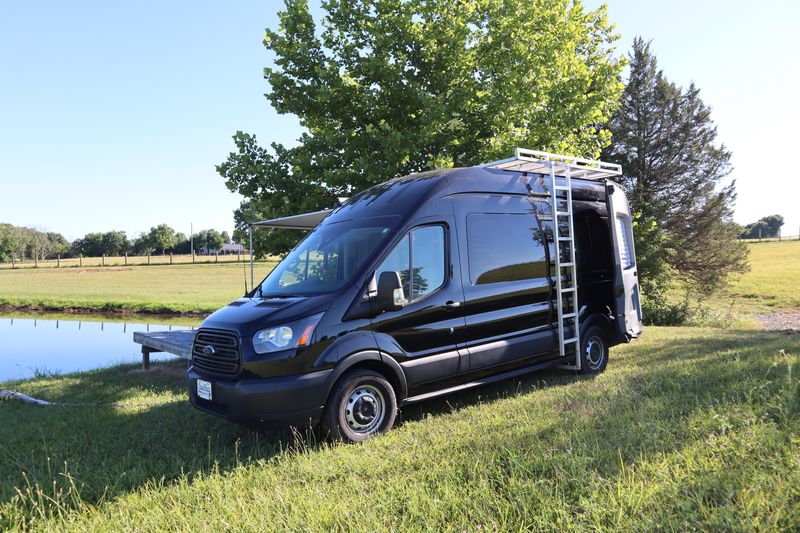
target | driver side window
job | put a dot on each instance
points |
(420, 259)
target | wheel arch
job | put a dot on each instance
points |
(597, 318)
(372, 360)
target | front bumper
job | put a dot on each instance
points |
(283, 401)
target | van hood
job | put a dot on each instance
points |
(248, 315)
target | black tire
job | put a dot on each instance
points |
(363, 404)
(594, 350)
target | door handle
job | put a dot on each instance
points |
(450, 305)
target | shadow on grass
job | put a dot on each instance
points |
(643, 405)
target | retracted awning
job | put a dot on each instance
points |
(305, 221)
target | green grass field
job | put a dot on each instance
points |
(772, 283)
(689, 428)
(178, 288)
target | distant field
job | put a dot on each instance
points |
(772, 283)
(154, 259)
(183, 288)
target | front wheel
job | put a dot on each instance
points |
(362, 405)
(594, 350)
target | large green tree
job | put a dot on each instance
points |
(388, 87)
(764, 227)
(674, 172)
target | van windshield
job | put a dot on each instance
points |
(328, 258)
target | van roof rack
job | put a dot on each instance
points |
(537, 162)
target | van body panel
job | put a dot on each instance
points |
(493, 313)
(626, 277)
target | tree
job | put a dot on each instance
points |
(161, 237)
(393, 87)
(115, 243)
(673, 171)
(765, 227)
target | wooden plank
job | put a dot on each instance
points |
(175, 342)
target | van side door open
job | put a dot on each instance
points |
(628, 311)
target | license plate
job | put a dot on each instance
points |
(204, 389)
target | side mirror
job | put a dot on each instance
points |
(390, 292)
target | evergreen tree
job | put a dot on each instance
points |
(673, 171)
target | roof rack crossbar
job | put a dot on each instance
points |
(537, 162)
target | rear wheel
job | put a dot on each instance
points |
(594, 350)
(362, 405)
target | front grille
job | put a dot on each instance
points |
(225, 358)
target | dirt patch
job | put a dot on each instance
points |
(787, 320)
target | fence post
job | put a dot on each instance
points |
(103, 262)
(126, 258)
(36, 260)
(170, 258)
(58, 261)
(13, 262)
(216, 257)
(192, 256)
(148, 259)
(80, 260)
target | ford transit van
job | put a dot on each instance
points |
(425, 285)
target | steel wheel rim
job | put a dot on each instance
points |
(595, 351)
(364, 409)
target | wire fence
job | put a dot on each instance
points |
(781, 238)
(125, 260)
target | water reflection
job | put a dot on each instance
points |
(31, 346)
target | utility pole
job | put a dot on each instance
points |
(191, 238)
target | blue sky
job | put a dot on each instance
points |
(113, 115)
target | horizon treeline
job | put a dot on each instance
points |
(22, 243)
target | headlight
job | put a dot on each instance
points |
(285, 337)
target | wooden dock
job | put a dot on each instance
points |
(174, 342)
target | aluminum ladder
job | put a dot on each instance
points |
(568, 267)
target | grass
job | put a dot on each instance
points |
(179, 288)
(689, 428)
(156, 259)
(773, 281)
(772, 284)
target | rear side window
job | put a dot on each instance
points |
(420, 259)
(504, 247)
(625, 239)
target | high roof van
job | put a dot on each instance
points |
(425, 285)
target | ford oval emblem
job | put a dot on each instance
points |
(208, 350)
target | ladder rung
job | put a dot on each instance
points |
(570, 341)
(569, 315)
(565, 239)
(563, 213)
(568, 289)
(565, 265)
(562, 188)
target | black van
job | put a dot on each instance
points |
(425, 285)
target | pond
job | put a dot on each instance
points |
(35, 346)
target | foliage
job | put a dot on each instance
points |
(28, 243)
(765, 227)
(673, 171)
(111, 243)
(388, 88)
(688, 429)
(161, 237)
